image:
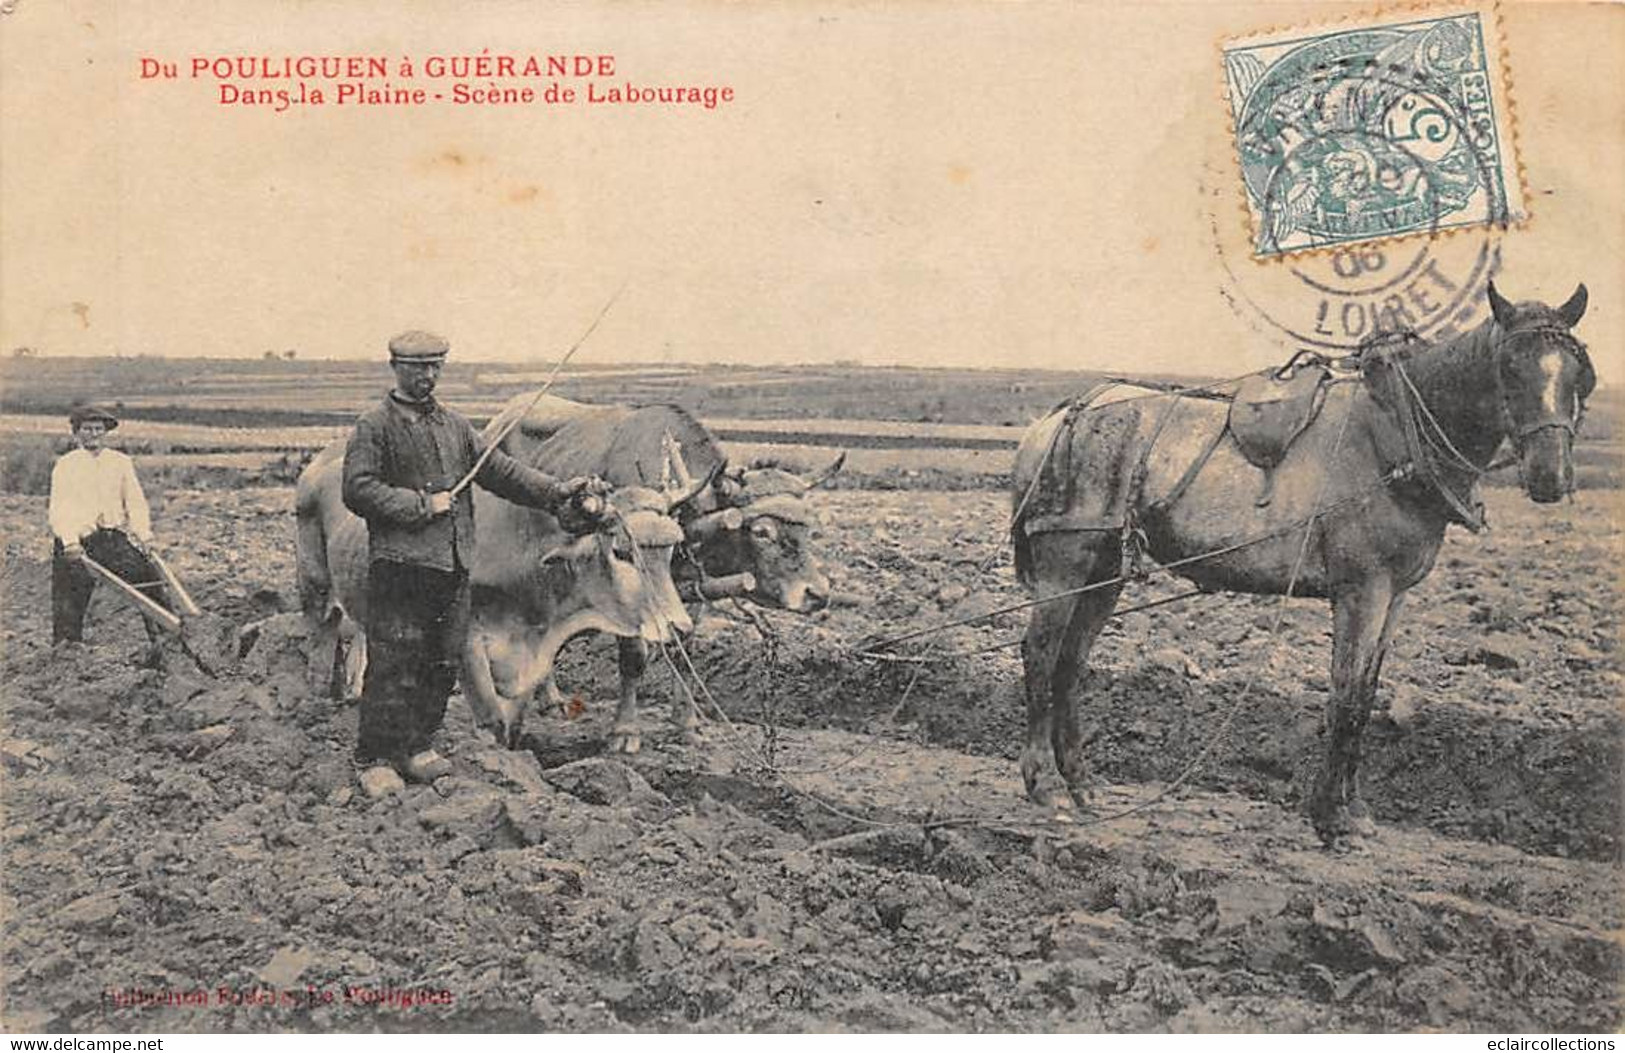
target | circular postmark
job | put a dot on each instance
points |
(1359, 153)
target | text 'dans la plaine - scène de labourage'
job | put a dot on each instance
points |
(284, 83)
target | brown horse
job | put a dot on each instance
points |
(1355, 514)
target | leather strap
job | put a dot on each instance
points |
(1167, 501)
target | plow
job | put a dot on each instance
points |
(208, 640)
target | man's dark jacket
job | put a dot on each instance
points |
(400, 452)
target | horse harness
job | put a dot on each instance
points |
(1271, 409)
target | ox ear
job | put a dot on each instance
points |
(572, 550)
(828, 473)
(729, 485)
(1501, 307)
(1575, 309)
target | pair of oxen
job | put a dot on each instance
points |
(678, 515)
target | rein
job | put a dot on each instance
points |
(1430, 445)
(1424, 450)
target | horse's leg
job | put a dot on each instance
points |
(1062, 560)
(1359, 813)
(1359, 619)
(634, 659)
(1089, 616)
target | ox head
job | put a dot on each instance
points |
(754, 523)
(616, 570)
(1545, 377)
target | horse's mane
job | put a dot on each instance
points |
(1426, 359)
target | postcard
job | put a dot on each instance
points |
(811, 516)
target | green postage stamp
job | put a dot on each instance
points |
(1373, 129)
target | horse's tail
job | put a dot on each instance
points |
(1032, 457)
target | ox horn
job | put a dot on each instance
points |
(828, 473)
(674, 498)
(675, 469)
(705, 527)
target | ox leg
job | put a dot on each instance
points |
(353, 661)
(634, 659)
(499, 714)
(684, 714)
(322, 659)
(553, 698)
(1050, 652)
(1360, 628)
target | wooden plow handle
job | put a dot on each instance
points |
(148, 605)
(184, 598)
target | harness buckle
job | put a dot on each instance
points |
(1134, 560)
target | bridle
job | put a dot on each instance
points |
(782, 508)
(1431, 448)
(1566, 341)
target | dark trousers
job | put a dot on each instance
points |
(417, 618)
(72, 582)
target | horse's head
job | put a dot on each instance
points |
(1545, 378)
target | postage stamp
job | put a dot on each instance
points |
(1371, 130)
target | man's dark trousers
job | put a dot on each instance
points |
(72, 582)
(417, 618)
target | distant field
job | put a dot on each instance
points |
(909, 428)
(265, 392)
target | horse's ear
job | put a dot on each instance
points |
(1575, 309)
(1503, 310)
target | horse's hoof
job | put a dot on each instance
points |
(1042, 796)
(1344, 836)
(1082, 795)
(1344, 845)
(1360, 822)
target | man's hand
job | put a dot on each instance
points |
(583, 485)
(440, 503)
(74, 551)
(583, 503)
(588, 495)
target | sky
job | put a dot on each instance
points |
(941, 184)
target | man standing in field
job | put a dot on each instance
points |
(401, 464)
(96, 509)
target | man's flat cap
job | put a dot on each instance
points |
(84, 411)
(416, 345)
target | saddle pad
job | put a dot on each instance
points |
(1268, 414)
(1085, 473)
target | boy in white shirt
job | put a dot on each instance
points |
(96, 509)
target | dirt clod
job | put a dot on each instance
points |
(834, 857)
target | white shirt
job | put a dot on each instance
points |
(90, 490)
